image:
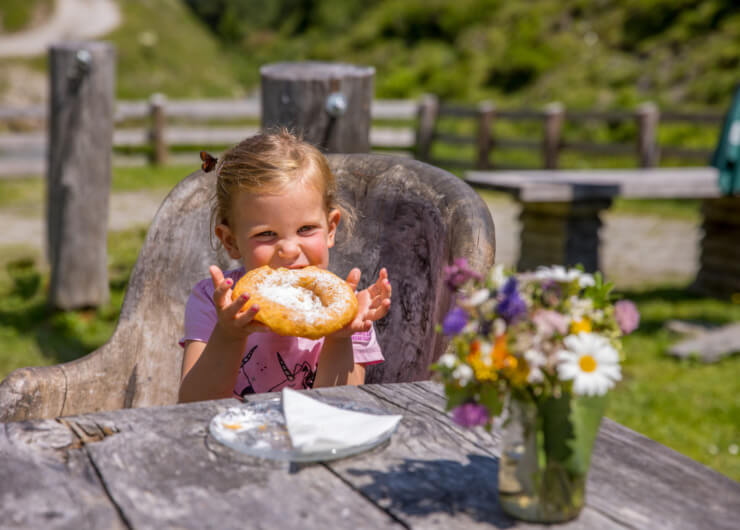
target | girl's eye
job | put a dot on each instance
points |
(306, 229)
(265, 234)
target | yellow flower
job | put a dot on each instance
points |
(581, 326)
(515, 370)
(480, 360)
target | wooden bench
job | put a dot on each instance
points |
(561, 214)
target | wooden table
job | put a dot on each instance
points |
(561, 214)
(159, 468)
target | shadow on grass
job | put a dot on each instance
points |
(61, 336)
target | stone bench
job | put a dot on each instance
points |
(561, 214)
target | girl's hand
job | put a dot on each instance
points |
(373, 303)
(231, 322)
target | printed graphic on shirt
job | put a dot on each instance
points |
(300, 377)
(292, 380)
(248, 388)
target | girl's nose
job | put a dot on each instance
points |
(288, 249)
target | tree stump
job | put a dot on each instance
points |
(328, 104)
(79, 172)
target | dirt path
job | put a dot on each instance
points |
(71, 20)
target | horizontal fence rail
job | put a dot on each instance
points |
(159, 130)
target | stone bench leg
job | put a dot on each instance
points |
(561, 233)
(719, 264)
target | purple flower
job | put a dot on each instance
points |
(470, 415)
(455, 321)
(511, 306)
(458, 273)
(627, 316)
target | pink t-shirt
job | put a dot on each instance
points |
(270, 361)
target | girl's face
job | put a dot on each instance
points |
(289, 228)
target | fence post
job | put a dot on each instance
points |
(157, 124)
(79, 171)
(426, 123)
(486, 115)
(554, 115)
(327, 103)
(648, 152)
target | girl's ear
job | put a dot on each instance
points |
(226, 236)
(333, 220)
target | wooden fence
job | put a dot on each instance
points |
(160, 131)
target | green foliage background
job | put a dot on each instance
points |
(586, 54)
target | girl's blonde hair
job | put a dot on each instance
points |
(269, 162)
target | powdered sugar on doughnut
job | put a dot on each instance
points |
(283, 287)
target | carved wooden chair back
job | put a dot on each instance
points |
(413, 219)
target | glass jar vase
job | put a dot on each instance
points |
(545, 455)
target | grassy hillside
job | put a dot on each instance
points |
(606, 53)
(17, 15)
(161, 46)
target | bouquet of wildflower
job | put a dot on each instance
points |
(534, 335)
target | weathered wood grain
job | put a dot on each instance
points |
(79, 172)
(163, 470)
(45, 486)
(294, 95)
(159, 468)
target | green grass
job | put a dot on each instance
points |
(687, 405)
(162, 47)
(34, 335)
(16, 15)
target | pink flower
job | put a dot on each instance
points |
(548, 322)
(470, 415)
(627, 316)
(458, 273)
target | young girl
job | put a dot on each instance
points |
(275, 205)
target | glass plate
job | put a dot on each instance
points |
(258, 429)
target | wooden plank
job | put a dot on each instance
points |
(26, 112)
(164, 470)
(396, 137)
(34, 142)
(599, 148)
(435, 474)
(648, 485)
(47, 485)
(636, 183)
(394, 109)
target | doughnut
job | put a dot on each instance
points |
(308, 302)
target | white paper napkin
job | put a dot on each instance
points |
(315, 426)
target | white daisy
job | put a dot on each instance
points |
(535, 360)
(448, 360)
(478, 297)
(592, 363)
(560, 274)
(463, 374)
